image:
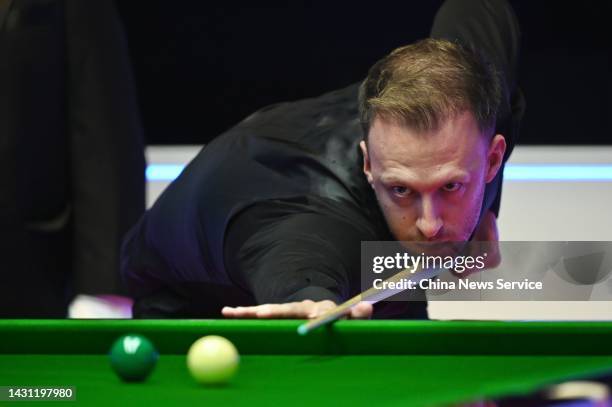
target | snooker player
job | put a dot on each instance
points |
(267, 220)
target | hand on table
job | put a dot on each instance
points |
(306, 309)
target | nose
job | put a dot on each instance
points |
(429, 222)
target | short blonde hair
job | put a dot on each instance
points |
(425, 83)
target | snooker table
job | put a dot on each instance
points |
(352, 362)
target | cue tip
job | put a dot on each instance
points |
(302, 330)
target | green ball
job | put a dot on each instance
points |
(133, 357)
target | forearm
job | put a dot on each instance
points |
(301, 256)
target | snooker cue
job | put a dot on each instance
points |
(371, 295)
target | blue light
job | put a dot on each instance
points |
(164, 172)
(556, 172)
(513, 172)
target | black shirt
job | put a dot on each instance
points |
(288, 179)
(274, 209)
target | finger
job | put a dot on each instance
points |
(298, 310)
(241, 312)
(287, 310)
(363, 310)
(319, 308)
(228, 312)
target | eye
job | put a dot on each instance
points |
(452, 186)
(400, 191)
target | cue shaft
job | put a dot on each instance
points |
(371, 295)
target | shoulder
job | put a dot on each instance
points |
(341, 102)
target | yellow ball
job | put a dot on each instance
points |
(212, 360)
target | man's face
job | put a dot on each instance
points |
(430, 186)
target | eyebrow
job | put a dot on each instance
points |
(461, 176)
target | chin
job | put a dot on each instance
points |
(436, 248)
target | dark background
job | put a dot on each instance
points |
(203, 66)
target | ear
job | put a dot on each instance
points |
(495, 156)
(367, 169)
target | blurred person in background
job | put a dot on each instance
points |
(71, 153)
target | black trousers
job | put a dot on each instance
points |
(71, 153)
